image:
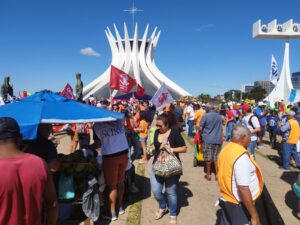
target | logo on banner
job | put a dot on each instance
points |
(162, 99)
(123, 82)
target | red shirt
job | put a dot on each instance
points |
(229, 116)
(22, 184)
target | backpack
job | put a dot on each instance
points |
(260, 133)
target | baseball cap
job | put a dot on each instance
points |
(291, 113)
(246, 107)
(9, 128)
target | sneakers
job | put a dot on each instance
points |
(121, 211)
(113, 217)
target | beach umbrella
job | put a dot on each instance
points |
(49, 107)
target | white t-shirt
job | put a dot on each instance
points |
(112, 137)
(190, 112)
(255, 123)
(244, 174)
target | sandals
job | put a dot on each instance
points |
(173, 220)
(160, 213)
(207, 177)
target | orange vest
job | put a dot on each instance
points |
(294, 133)
(226, 160)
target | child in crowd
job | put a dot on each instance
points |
(272, 122)
(142, 130)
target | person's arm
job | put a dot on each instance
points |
(246, 198)
(256, 125)
(51, 203)
(284, 127)
(242, 174)
(179, 142)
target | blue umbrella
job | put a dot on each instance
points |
(48, 107)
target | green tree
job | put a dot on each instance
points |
(232, 95)
(204, 97)
(257, 93)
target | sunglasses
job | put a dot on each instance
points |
(159, 126)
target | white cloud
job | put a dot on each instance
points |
(203, 27)
(89, 52)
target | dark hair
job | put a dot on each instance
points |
(143, 115)
(169, 120)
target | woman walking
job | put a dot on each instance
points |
(167, 136)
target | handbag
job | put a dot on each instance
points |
(166, 164)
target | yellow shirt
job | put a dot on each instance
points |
(144, 126)
(198, 116)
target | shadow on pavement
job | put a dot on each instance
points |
(275, 159)
(183, 194)
(291, 199)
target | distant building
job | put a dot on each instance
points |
(296, 80)
(246, 88)
(265, 84)
(220, 97)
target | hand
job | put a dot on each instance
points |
(255, 221)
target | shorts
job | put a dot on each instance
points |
(141, 139)
(211, 151)
(114, 169)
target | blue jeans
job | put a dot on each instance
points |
(287, 151)
(229, 128)
(157, 184)
(133, 142)
(190, 129)
(252, 147)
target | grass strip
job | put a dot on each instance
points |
(135, 210)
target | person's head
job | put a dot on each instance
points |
(44, 130)
(247, 108)
(142, 115)
(164, 122)
(291, 114)
(9, 131)
(115, 108)
(209, 107)
(241, 135)
(196, 106)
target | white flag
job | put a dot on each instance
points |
(161, 98)
(274, 75)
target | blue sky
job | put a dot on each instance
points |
(206, 46)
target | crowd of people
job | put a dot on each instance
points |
(119, 143)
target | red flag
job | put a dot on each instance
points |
(25, 94)
(120, 80)
(140, 91)
(68, 92)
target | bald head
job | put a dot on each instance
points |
(241, 134)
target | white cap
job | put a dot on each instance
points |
(261, 104)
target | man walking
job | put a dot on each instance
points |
(252, 122)
(289, 141)
(25, 181)
(190, 118)
(240, 180)
(212, 134)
